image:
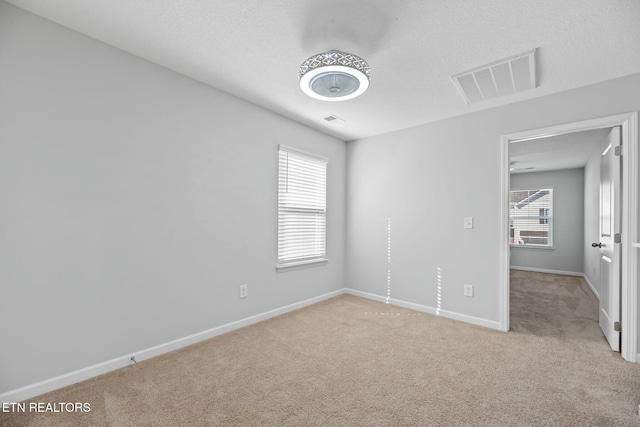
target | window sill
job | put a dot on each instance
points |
(281, 268)
(537, 248)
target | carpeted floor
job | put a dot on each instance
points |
(354, 362)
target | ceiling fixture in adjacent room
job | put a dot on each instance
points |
(513, 168)
(334, 76)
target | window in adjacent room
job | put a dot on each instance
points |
(531, 217)
(302, 208)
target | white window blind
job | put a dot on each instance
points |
(531, 217)
(302, 213)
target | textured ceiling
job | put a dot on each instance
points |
(253, 48)
(567, 151)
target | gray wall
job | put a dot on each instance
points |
(568, 222)
(133, 203)
(428, 178)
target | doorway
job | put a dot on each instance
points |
(629, 244)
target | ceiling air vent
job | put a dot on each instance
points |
(514, 74)
(334, 119)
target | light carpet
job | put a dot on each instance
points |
(349, 361)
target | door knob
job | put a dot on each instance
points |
(597, 245)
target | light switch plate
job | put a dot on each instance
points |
(468, 223)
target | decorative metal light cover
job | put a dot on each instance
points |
(334, 76)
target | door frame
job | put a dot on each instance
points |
(628, 123)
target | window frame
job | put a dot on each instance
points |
(319, 211)
(538, 219)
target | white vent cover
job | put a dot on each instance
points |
(332, 118)
(514, 74)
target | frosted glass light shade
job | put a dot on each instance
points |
(334, 76)
(336, 84)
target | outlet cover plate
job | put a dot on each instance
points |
(468, 291)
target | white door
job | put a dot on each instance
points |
(609, 250)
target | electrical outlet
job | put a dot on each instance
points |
(243, 291)
(468, 223)
(468, 291)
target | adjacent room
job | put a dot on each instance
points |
(340, 212)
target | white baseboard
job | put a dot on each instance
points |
(566, 273)
(546, 270)
(593, 289)
(33, 390)
(426, 309)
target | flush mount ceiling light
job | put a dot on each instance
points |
(334, 76)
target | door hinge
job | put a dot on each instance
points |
(617, 326)
(617, 238)
(618, 150)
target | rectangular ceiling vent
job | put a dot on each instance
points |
(334, 119)
(514, 74)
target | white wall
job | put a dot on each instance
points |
(428, 178)
(568, 221)
(133, 203)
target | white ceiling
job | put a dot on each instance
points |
(567, 151)
(253, 48)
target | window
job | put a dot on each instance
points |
(544, 214)
(530, 217)
(302, 213)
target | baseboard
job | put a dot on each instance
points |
(426, 309)
(546, 270)
(64, 380)
(33, 390)
(593, 289)
(562, 272)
